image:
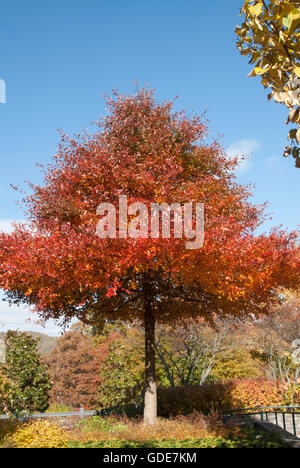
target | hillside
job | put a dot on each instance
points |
(46, 343)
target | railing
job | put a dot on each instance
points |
(81, 413)
(279, 415)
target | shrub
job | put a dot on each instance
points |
(186, 400)
(39, 434)
(7, 427)
(249, 393)
(234, 394)
(189, 427)
(5, 389)
(59, 408)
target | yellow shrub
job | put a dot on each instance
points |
(4, 391)
(39, 434)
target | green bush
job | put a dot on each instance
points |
(29, 381)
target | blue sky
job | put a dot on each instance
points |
(58, 58)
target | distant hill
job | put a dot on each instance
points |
(46, 343)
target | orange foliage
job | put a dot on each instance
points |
(151, 154)
(193, 426)
(75, 369)
(250, 393)
(222, 396)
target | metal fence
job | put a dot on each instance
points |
(286, 417)
(81, 413)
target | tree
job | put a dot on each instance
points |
(123, 370)
(270, 37)
(74, 367)
(149, 153)
(274, 341)
(27, 374)
(189, 352)
(238, 362)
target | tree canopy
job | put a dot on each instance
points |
(150, 153)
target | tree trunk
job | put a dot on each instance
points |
(150, 407)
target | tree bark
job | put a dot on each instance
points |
(150, 407)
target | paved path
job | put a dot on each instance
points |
(287, 437)
(283, 425)
(285, 421)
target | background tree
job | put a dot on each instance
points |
(189, 352)
(30, 383)
(151, 154)
(74, 367)
(274, 340)
(123, 369)
(240, 360)
(185, 355)
(270, 36)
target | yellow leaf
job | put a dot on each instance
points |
(297, 71)
(260, 71)
(291, 21)
(257, 9)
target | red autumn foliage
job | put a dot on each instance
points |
(148, 152)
